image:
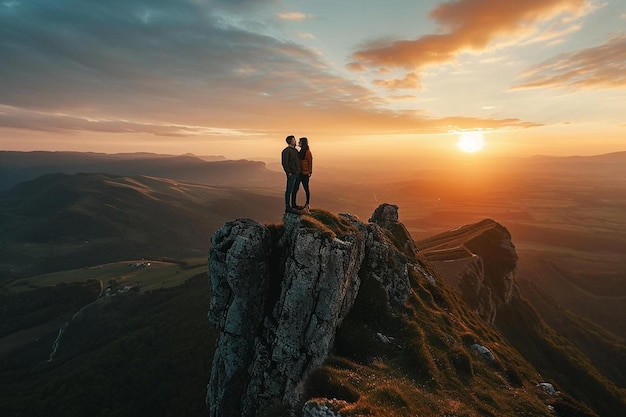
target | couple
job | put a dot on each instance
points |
(298, 166)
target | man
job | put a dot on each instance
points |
(291, 165)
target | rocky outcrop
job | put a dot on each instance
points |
(479, 260)
(279, 293)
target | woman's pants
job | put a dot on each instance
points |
(304, 180)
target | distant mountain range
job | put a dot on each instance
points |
(16, 167)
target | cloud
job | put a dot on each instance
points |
(466, 25)
(55, 122)
(346, 121)
(410, 80)
(156, 59)
(294, 16)
(179, 68)
(602, 66)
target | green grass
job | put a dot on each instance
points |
(159, 274)
(429, 367)
(329, 224)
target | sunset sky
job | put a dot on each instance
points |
(234, 77)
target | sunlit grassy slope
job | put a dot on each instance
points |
(428, 367)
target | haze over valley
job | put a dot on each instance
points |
(565, 214)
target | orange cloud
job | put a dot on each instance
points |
(597, 67)
(466, 25)
(409, 81)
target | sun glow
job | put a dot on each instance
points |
(470, 142)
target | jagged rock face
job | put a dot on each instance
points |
(319, 286)
(479, 260)
(238, 272)
(278, 305)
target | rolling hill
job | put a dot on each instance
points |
(61, 221)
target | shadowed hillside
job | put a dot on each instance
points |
(138, 356)
(61, 221)
(606, 350)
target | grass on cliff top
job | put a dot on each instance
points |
(428, 368)
(329, 224)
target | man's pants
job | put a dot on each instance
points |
(291, 188)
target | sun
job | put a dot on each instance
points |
(470, 142)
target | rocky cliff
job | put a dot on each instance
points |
(279, 293)
(479, 260)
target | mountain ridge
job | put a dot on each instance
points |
(510, 312)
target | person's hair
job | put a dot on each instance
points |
(304, 146)
(288, 138)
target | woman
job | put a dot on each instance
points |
(306, 169)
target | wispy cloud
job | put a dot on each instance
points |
(294, 16)
(154, 60)
(58, 122)
(466, 25)
(602, 66)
